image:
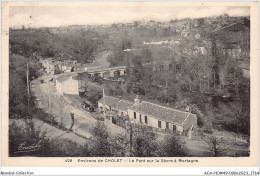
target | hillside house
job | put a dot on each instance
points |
(51, 66)
(161, 117)
(67, 84)
(150, 114)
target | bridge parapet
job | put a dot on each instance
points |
(111, 71)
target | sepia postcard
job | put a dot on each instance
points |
(129, 84)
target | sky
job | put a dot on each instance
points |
(39, 16)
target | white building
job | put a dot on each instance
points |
(67, 84)
(150, 114)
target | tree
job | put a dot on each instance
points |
(146, 55)
(216, 145)
(50, 106)
(61, 102)
(144, 141)
(101, 146)
(116, 90)
(17, 84)
(112, 60)
(120, 145)
(201, 21)
(135, 23)
(137, 69)
(172, 146)
(210, 118)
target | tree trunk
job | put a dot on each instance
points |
(208, 81)
(200, 85)
(72, 121)
(131, 138)
(214, 79)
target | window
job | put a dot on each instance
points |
(145, 119)
(159, 124)
(167, 125)
(134, 115)
(140, 118)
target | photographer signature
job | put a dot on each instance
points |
(23, 148)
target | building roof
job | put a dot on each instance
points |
(62, 78)
(161, 112)
(110, 101)
(123, 105)
(117, 103)
(150, 109)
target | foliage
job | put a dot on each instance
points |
(118, 57)
(146, 55)
(144, 141)
(115, 90)
(26, 134)
(201, 21)
(75, 44)
(194, 80)
(18, 84)
(172, 146)
(101, 146)
(120, 145)
(217, 146)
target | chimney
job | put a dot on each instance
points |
(136, 100)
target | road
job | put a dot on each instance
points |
(84, 121)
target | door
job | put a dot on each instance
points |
(174, 128)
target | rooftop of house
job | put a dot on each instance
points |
(62, 78)
(123, 105)
(116, 103)
(76, 98)
(161, 112)
(157, 111)
(110, 101)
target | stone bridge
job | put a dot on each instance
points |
(103, 72)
